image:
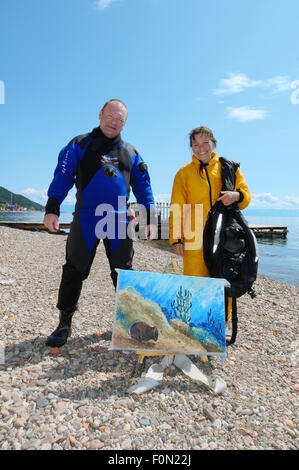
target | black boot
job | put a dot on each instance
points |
(59, 337)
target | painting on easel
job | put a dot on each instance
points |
(169, 313)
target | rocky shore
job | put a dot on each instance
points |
(76, 397)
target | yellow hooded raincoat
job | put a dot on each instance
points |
(192, 195)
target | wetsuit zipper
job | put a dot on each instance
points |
(202, 165)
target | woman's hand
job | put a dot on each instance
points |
(178, 248)
(228, 197)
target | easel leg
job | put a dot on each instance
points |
(154, 375)
(204, 358)
(139, 366)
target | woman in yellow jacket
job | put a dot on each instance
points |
(196, 188)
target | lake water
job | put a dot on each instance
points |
(278, 259)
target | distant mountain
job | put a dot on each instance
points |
(8, 197)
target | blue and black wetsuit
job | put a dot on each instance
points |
(103, 171)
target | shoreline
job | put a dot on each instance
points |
(76, 397)
(267, 249)
(161, 245)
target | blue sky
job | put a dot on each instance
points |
(231, 65)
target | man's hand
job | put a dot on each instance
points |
(151, 232)
(51, 222)
(228, 197)
(178, 248)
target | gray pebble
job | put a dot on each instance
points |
(208, 412)
(145, 422)
(41, 402)
(76, 425)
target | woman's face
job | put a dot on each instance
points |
(202, 147)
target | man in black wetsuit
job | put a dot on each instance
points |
(103, 168)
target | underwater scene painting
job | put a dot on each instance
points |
(169, 313)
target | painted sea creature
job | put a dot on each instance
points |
(143, 332)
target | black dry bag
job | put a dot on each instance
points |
(229, 245)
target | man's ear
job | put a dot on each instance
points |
(100, 114)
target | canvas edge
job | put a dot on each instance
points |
(115, 310)
(172, 352)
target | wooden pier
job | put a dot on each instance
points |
(30, 225)
(260, 231)
(270, 231)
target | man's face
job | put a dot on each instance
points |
(202, 147)
(113, 119)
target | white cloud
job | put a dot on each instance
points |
(245, 113)
(236, 83)
(36, 195)
(40, 196)
(279, 83)
(70, 199)
(269, 201)
(157, 197)
(162, 197)
(102, 4)
(258, 201)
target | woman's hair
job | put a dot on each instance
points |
(203, 131)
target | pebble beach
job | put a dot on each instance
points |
(76, 397)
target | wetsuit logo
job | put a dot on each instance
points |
(64, 162)
(104, 159)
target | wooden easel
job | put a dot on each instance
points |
(171, 268)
